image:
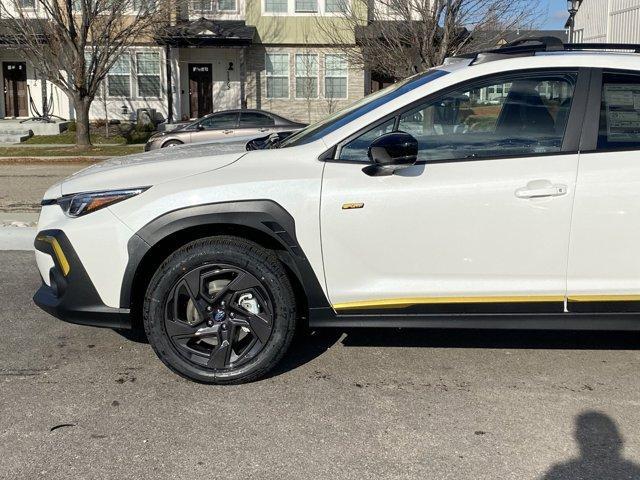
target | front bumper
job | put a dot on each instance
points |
(70, 295)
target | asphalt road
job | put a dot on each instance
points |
(23, 184)
(354, 405)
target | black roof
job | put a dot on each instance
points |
(206, 32)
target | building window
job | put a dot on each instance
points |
(202, 5)
(335, 6)
(119, 77)
(27, 4)
(276, 6)
(335, 76)
(306, 75)
(148, 74)
(144, 5)
(277, 75)
(306, 6)
(227, 5)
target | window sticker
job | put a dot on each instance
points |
(623, 112)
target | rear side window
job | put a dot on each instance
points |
(619, 112)
(254, 119)
(507, 115)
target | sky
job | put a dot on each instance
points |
(553, 14)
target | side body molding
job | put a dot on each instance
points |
(264, 216)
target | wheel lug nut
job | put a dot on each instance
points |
(210, 323)
(209, 309)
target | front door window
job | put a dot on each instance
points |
(516, 115)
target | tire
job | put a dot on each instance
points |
(236, 327)
(172, 143)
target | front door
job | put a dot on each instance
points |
(480, 225)
(15, 89)
(200, 89)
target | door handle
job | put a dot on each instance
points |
(226, 132)
(541, 189)
(263, 130)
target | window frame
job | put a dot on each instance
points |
(234, 10)
(573, 130)
(138, 75)
(29, 9)
(267, 12)
(291, 9)
(267, 76)
(325, 76)
(128, 75)
(295, 7)
(296, 76)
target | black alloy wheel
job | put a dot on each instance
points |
(220, 310)
(218, 316)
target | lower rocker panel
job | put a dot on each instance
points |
(539, 321)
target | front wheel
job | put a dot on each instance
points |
(220, 310)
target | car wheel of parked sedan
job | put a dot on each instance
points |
(220, 310)
(172, 143)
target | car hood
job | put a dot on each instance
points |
(149, 168)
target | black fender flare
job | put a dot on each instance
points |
(265, 216)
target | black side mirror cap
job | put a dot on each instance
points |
(391, 152)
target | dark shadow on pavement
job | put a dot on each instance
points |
(600, 458)
(305, 347)
(462, 338)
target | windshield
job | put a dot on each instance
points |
(365, 105)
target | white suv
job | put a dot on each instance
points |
(501, 190)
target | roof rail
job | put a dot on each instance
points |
(603, 46)
(528, 46)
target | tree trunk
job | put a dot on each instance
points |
(83, 138)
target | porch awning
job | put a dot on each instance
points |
(205, 32)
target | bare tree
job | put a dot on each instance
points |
(74, 43)
(399, 37)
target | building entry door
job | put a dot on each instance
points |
(200, 89)
(15, 89)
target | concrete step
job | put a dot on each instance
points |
(14, 137)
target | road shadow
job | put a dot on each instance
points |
(306, 346)
(600, 444)
(480, 338)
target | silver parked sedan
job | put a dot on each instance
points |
(222, 125)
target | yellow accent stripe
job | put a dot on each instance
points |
(407, 302)
(603, 298)
(57, 250)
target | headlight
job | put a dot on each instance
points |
(80, 204)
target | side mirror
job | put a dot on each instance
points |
(390, 152)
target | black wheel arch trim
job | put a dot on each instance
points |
(266, 216)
